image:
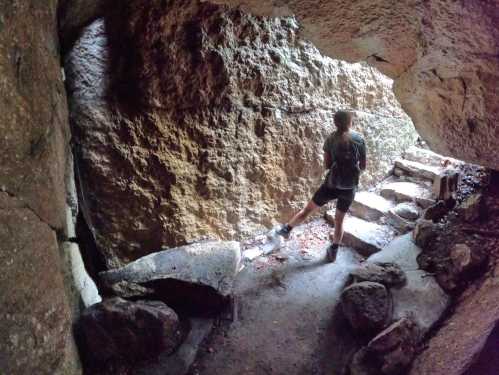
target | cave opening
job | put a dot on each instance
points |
(208, 125)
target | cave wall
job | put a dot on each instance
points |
(35, 307)
(192, 120)
(442, 54)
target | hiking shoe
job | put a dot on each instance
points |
(283, 231)
(331, 252)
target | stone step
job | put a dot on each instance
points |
(430, 158)
(365, 237)
(407, 192)
(370, 206)
(416, 169)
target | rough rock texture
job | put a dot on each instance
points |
(443, 55)
(117, 332)
(388, 274)
(367, 306)
(395, 347)
(35, 317)
(210, 122)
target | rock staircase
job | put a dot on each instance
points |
(418, 180)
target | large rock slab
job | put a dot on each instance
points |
(407, 192)
(118, 333)
(421, 297)
(367, 306)
(201, 273)
(364, 236)
(415, 169)
(369, 206)
(189, 156)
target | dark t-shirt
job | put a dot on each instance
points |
(346, 159)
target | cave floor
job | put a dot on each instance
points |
(284, 319)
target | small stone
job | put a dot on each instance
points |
(388, 274)
(367, 306)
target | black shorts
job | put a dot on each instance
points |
(325, 194)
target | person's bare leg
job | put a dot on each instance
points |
(338, 226)
(303, 214)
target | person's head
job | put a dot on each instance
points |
(343, 121)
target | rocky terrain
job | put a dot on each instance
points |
(197, 121)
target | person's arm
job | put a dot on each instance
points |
(363, 161)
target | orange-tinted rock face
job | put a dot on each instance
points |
(443, 55)
(35, 320)
(211, 122)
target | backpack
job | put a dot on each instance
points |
(344, 172)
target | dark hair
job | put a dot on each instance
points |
(343, 120)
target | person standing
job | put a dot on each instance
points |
(344, 158)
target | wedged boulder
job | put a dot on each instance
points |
(388, 274)
(367, 306)
(117, 332)
(369, 206)
(199, 275)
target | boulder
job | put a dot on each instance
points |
(199, 276)
(424, 232)
(438, 211)
(388, 274)
(408, 211)
(367, 306)
(395, 347)
(363, 363)
(119, 331)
